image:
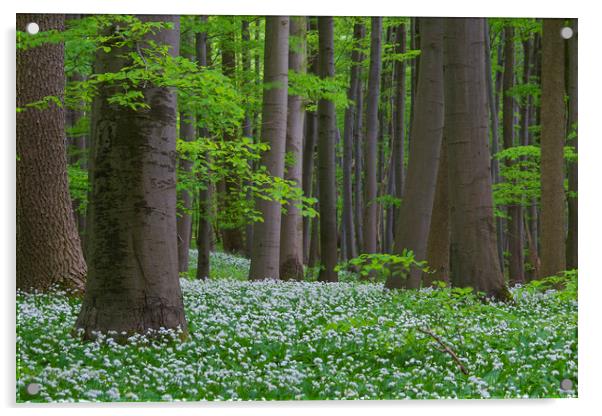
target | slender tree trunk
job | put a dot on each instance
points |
(314, 245)
(265, 257)
(572, 240)
(247, 124)
(184, 219)
(495, 168)
(291, 234)
(553, 127)
(350, 115)
(371, 206)
(229, 188)
(399, 115)
(133, 282)
(358, 143)
(427, 132)
(473, 243)
(516, 272)
(48, 245)
(326, 157)
(204, 240)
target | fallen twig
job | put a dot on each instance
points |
(445, 349)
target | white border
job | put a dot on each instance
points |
(590, 200)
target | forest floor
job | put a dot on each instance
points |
(308, 340)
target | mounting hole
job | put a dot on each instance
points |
(566, 384)
(566, 32)
(32, 28)
(33, 389)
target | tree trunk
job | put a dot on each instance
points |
(229, 188)
(265, 257)
(48, 246)
(204, 237)
(247, 124)
(572, 240)
(358, 143)
(516, 271)
(348, 134)
(133, 282)
(473, 241)
(399, 115)
(553, 127)
(326, 157)
(184, 219)
(427, 132)
(371, 206)
(437, 252)
(291, 234)
(495, 168)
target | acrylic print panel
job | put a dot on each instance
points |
(295, 208)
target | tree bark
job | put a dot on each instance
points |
(572, 256)
(247, 124)
(229, 188)
(516, 271)
(553, 127)
(348, 134)
(371, 206)
(291, 234)
(48, 245)
(265, 257)
(133, 282)
(473, 243)
(204, 237)
(358, 143)
(427, 132)
(437, 252)
(184, 219)
(495, 168)
(326, 157)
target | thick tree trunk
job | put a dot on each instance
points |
(493, 114)
(437, 252)
(348, 134)
(133, 282)
(48, 246)
(371, 206)
(553, 128)
(291, 234)
(516, 271)
(572, 238)
(427, 132)
(184, 218)
(265, 257)
(204, 239)
(473, 242)
(326, 157)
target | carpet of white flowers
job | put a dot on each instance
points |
(307, 340)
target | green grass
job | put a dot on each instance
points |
(308, 340)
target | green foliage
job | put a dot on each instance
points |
(78, 186)
(383, 265)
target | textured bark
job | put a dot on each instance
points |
(348, 134)
(427, 132)
(265, 257)
(493, 114)
(358, 144)
(314, 245)
(553, 128)
(133, 282)
(48, 246)
(291, 234)
(473, 242)
(572, 238)
(516, 272)
(326, 157)
(437, 252)
(184, 219)
(371, 206)
(204, 238)
(399, 115)
(229, 188)
(247, 124)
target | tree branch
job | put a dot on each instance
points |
(445, 349)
